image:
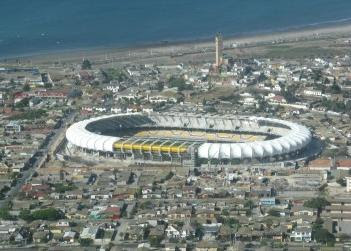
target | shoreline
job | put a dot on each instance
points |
(296, 34)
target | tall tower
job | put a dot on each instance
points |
(219, 49)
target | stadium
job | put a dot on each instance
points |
(188, 139)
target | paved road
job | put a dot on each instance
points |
(121, 229)
(40, 157)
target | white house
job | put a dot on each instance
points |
(62, 223)
(113, 88)
(277, 88)
(312, 92)
(301, 233)
(89, 233)
(172, 232)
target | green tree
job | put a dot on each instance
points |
(25, 215)
(318, 224)
(146, 205)
(269, 222)
(61, 188)
(324, 236)
(113, 74)
(5, 214)
(168, 177)
(262, 77)
(341, 182)
(86, 65)
(317, 203)
(274, 212)
(231, 222)
(155, 241)
(179, 83)
(23, 103)
(199, 232)
(160, 86)
(50, 214)
(335, 88)
(26, 88)
(249, 204)
(290, 93)
(86, 242)
(48, 85)
(29, 115)
(225, 212)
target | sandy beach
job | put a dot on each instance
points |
(168, 49)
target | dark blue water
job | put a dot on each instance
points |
(37, 26)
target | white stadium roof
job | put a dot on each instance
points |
(78, 135)
(291, 136)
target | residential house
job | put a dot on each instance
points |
(206, 214)
(187, 230)
(101, 195)
(179, 214)
(206, 246)
(259, 191)
(21, 236)
(175, 247)
(268, 201)
(300, 210)
(211, 230)
(42, 236)
(73, 195)
(35, 191)
(225, 233)
(157, 232)
(339, 213)
(13, 127)
(343, 165)
(5, 232)
(321, 165)
(172, 232)
(134, 233)
(70, 236)
(301, 234)
(89, 232)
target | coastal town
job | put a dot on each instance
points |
(54, 199)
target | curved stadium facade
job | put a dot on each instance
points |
(188, 138)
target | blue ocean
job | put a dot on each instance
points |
(30, 27)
